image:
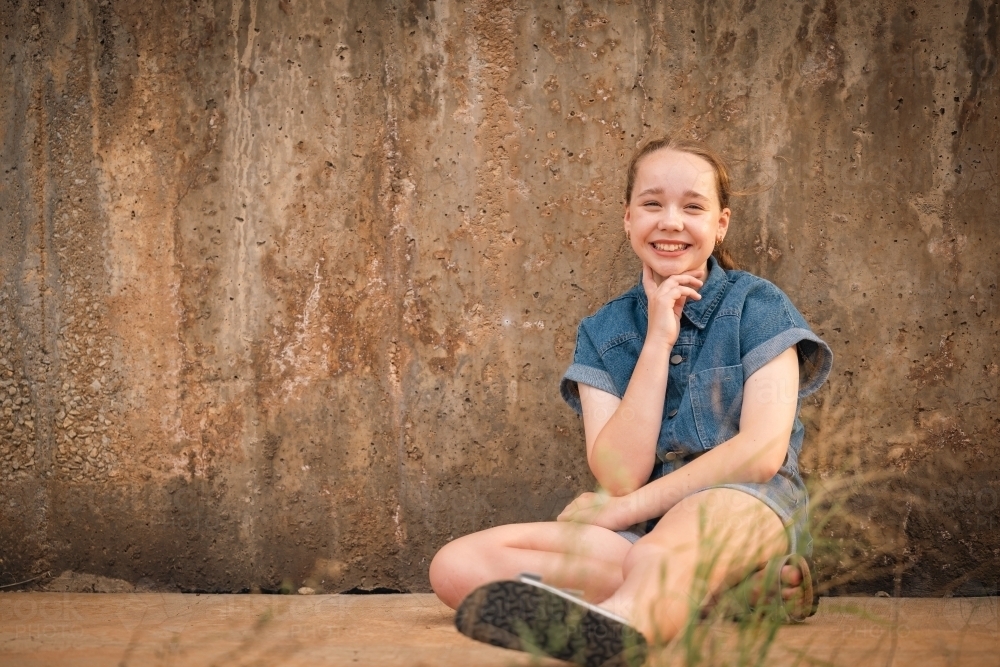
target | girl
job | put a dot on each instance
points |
(689, 387)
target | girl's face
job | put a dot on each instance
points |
(674, 217)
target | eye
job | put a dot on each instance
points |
(697, 207)
(651, 203)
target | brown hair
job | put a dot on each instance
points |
(722, 182)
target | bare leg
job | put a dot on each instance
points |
(709, 541)
(566, 555)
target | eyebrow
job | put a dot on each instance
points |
(659, 191)
(695, 195)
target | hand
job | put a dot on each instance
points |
(598, 509)
(666, 302)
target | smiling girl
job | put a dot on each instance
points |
(689, 386)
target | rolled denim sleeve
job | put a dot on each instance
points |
(588, 368)
(769, 325)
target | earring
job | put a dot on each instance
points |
(718, 241)
(628, 236)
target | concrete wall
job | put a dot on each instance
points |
(287, 287)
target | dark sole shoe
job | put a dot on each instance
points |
(527, 615)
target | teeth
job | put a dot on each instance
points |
(669, 247)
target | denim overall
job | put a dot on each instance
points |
(740, 324)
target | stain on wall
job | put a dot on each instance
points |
(286, 288)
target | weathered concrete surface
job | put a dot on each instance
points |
(169, 629)
(286, 288)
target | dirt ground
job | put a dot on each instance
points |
(82, 630)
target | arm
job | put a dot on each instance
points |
(622, 433)
(755, 454)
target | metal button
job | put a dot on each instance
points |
(670, 456)
(676, 359)
(672, 414)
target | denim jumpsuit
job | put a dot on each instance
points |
(740, 324)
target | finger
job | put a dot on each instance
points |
(692, 272)
(684, 279)
(688, 293)
(681, 292)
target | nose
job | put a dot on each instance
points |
(671, 219)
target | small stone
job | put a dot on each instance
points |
(305, 590)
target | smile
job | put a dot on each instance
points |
(670, 247)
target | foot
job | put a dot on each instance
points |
(791, 584)
(793, 580)
(527, 615)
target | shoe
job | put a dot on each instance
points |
(527, 615)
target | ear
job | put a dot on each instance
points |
(627, 220)
(724, 223)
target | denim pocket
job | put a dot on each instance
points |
(717, 400)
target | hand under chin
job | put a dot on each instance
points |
(700, 273)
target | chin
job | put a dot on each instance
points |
(673, 264)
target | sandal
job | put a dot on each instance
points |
(527, 615)
(770, 600)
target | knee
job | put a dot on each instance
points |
(670, 560)
(646, 553)
(446, 574)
